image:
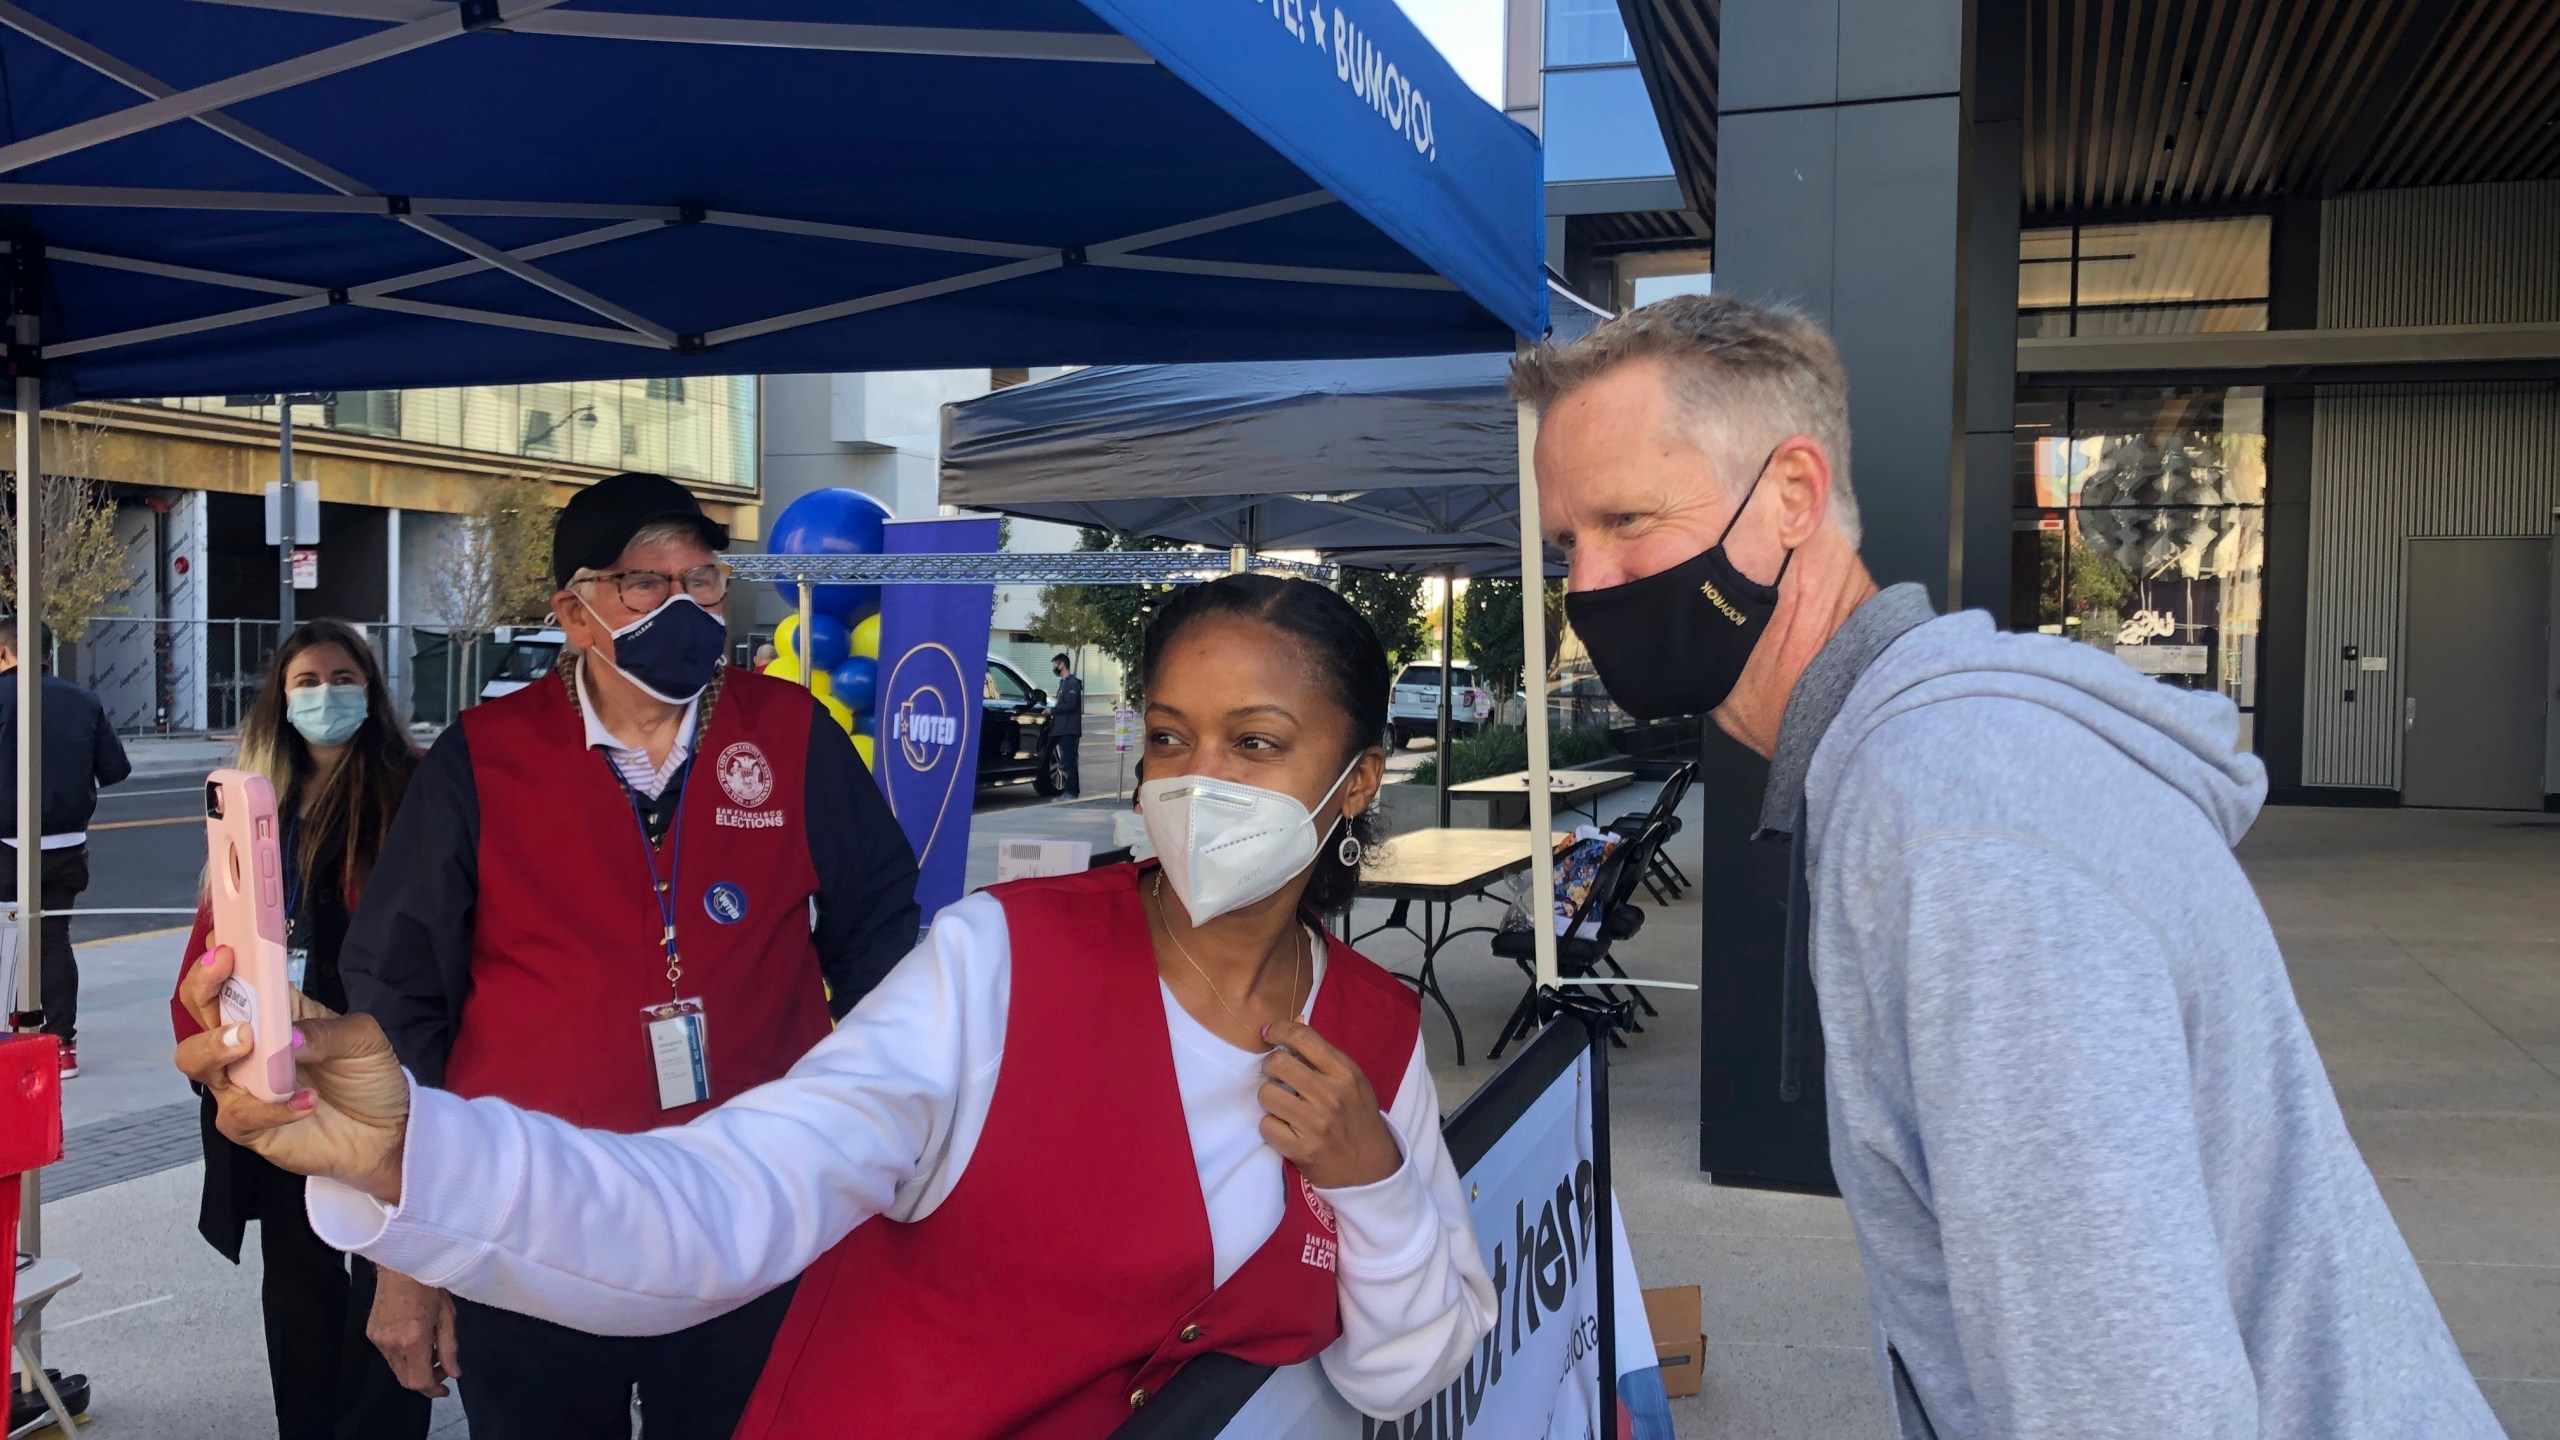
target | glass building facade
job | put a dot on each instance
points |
(2139, 515)
(698, 429)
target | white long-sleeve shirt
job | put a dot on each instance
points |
(646, 1234)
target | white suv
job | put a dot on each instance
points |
(1414, 706)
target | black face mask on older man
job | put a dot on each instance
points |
(1675, 643)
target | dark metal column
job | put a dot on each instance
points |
(1867, 172)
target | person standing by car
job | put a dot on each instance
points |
(569, 916)
(1066, 724)
(324, 733)
(81, 753)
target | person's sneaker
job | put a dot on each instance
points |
(70, 1061)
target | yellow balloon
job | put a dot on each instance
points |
(862, 747)
(866, 638)
(785, 666)
(786, 639)
(836, 708)
(822, 685)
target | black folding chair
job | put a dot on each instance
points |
(1659, 872)
(1607, 914)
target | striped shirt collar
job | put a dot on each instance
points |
(632, 762)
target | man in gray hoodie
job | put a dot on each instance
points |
(2099, 1181)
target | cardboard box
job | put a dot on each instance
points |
(1679, 1342)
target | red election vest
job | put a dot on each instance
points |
(1067, 1276)
(565, 938)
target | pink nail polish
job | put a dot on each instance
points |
(302, 1100)
(297, 1039)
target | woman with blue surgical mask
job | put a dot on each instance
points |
(1146, 1112)
(323, 731)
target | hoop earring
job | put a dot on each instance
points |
(1349, 851)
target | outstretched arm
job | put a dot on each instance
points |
(647, 1234)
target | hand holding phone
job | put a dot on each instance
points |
(244, 869)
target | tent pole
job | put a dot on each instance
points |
(1533, 638)
(1448, 644)
(27, 330)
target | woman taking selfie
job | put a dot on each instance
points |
(1108, 1121)
(323, 733)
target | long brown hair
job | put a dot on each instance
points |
(360, 798)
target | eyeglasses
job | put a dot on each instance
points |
(642, 591)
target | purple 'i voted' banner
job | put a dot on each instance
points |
(927, 721)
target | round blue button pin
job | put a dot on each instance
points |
(725, 902)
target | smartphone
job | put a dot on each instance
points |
(244, 870)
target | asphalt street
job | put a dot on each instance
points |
(146, 850)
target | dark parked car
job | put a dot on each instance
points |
(1015, 732)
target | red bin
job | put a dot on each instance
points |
(30, 1131)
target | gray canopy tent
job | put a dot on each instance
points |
(1400, 464)
(1404, 464)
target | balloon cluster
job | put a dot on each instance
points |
(844, 620)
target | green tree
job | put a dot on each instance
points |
(1489, 628)
(1392, 604)
(1111, 618)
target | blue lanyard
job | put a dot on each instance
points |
(292, 872)
(663, 889)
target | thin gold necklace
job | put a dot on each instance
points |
(1297, 961)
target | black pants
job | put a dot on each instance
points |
(1068, 746)
(528, 1379)
(330, 1383)
(65, 875)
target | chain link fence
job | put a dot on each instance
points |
(197, 677)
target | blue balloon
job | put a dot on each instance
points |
(830, 642)
(830, 522)
(856, 680)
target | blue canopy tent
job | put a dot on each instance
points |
(222, 196)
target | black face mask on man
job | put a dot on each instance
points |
(1675, 643)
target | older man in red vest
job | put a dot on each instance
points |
(569, 916)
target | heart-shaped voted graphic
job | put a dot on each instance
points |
(931, 727)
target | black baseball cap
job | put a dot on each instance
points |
(599, 521)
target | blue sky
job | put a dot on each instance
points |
(1469, 32)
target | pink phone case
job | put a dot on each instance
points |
(243, 869)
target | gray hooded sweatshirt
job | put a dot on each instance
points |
(2099, 1181)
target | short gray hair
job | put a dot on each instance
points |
(656, 532)
(1743, 376)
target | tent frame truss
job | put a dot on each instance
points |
(415, 24)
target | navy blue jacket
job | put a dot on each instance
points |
(81, 753)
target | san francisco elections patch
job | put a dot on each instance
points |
(1317, 1203)
(744, 774)
(725, 902)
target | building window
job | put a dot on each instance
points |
(670, 390)
(367, 412)
(1586, 32)
(2169, 277)
(541, 432)
(2140, 528)
(630, 438)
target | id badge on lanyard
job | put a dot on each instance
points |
(680, 1051)
(679, 1047)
